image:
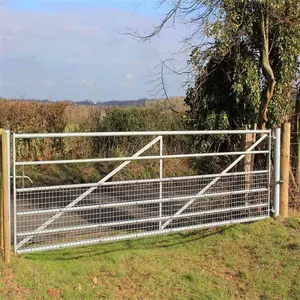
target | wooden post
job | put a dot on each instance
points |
(5, 195)
(298, 137)
(1, 197)
(253, 141)
(248, 161)
(285, 168)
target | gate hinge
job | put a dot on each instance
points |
(278, 182)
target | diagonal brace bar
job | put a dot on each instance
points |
(213, 182)
(89, 191)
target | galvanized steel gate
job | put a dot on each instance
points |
(66, 215)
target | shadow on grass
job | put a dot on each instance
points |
(146, 243)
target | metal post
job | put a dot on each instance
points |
(160, 176)
(15, 193)
(269, 171)
(276, 193)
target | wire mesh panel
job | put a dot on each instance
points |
(53, 216)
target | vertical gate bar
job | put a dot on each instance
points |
(9, 183)
(23, 175)
(160, 176)
(269, 171)
(247, 140)
(276, 190)
(15, 193)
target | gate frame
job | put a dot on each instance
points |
(126, 160)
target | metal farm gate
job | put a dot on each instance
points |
(53, 216)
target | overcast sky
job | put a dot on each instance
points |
(56, 48)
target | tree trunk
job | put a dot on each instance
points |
(268, 73)
(267, 94)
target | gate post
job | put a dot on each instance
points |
(5, 188)
(276, 191)
(285, 168)
(160, 184)
(248, 161)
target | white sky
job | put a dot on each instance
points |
(55, 48)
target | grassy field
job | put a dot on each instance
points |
(249, 261)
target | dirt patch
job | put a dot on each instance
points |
(10, 289)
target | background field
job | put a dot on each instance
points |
(48, 117)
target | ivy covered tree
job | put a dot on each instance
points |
(224, 95)
(247, 63)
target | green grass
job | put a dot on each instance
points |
(249, 261)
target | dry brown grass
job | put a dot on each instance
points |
(173, 103)
(28, 116)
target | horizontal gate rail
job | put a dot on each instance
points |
(138, 202)
(136, 235)
(135, 133)
(111, 183)
(147, 220)
(117, 159)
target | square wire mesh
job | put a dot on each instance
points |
(52, 217)
(122, 208)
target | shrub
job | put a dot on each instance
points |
(137, 119)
